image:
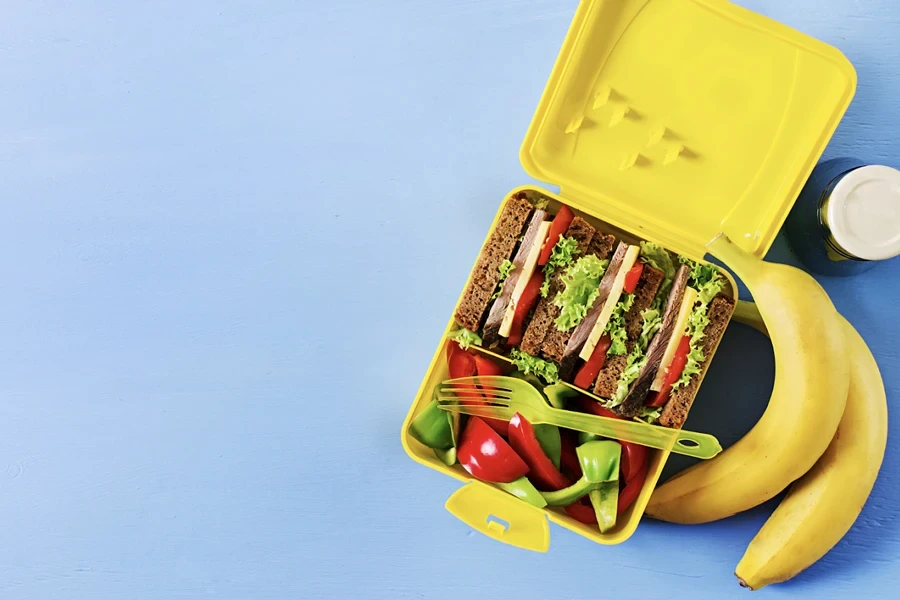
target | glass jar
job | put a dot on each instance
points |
(847, 217)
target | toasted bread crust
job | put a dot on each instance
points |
(486, 275)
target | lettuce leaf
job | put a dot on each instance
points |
(465, 338)
(615, 328)
(649, 414)
(561, 257)
(505, 268)
(529, 364)
(581, 281)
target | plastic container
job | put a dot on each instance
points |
(847, 217)
(671, 121)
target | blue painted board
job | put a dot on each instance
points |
(231, 235)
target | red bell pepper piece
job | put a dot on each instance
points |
(632, 277)
(460, 362)
(591, 406)
(589, 370)
(631, 491)
(582, 511)
(527, 300)
(452, 348)
(468, 364)
(541, 470)
(484, 367)
(672, 374)
(487, 456)
(561, 222)
(634, 458)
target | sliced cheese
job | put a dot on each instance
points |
(681, 323)
(631, 256)
(524, 276)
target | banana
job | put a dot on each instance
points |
(810, 392)
(823, 504)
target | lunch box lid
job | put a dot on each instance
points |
(681, 119)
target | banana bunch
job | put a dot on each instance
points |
(824, 430)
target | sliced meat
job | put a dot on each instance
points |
(675, 411)
(583, 330)
(486, 274)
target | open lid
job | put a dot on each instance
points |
(680, 119)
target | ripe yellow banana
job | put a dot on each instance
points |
(823, 504)
(808, 399)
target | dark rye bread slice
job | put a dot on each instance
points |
(498, 309)
(675, 411)
(554, 345)
(644, 293)
(486, 274)
(545, 313)
(579, 337)
(641, 386)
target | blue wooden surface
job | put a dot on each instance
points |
(231, 235)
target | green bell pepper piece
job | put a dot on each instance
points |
(558, 393)
(605, 500)
(432, 427)
(523, 489)
(448, 457)
(599, 462)
(584, 438)
(549, 439)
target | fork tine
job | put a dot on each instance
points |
(479, 411)
(453, 401)
(481, 381)
(475, 392)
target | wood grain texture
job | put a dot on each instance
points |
(211, 245)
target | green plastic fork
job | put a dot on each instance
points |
(498, 397)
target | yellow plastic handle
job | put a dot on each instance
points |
(500, 516)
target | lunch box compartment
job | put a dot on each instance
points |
(672, 121)
(438, 372)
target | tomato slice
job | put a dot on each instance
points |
(633, 276)
(487, 456)
(541, 470)
(672, 373)
(527, 300)
(589, 370)
(634, 458)
(560, 224)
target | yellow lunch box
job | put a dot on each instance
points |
(670, 121)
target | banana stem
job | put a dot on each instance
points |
(747, 266)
